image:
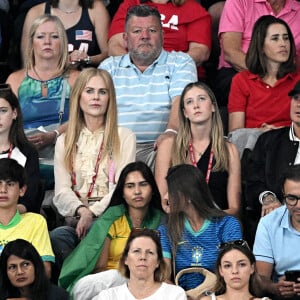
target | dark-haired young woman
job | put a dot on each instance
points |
(14, 144)
(135, 203)
(195, 227)
(236, 273)
(259, 96)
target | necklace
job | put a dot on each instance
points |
(198, 152)
(194, 162)
(68, 12)
(44, 84)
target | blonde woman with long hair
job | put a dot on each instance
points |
(200, 142)
(43, 86)
(88, 158)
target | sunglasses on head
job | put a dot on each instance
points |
(241, 243)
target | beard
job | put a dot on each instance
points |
(144, 57)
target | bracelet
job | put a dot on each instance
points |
(171, 130)
(57, 135)
(88, 60)
(76, 210)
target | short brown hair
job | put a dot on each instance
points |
(160, 274)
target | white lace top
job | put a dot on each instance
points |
(88, 146)
(65, 200)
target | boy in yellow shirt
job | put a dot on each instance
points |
(13, 225)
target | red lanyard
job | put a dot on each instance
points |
(9, 151)
(73, 175)
(194, 162)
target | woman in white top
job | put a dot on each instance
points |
(142, 263)
(236, 273)
(88, 159)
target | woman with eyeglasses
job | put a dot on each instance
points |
(14, 145)
(135, 203)
(236, 273)
(195, 227)
(22, 274)
(143, 265)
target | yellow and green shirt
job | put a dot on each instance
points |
(30, 227)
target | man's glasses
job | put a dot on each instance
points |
(241, 243)
(291, 200)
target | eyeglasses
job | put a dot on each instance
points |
(291, 200)
(241, 243)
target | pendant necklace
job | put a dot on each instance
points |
(68, 12)
(194, 162)
(44, 84)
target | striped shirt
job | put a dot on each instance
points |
(144, 98)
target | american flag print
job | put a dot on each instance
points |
(83, 35)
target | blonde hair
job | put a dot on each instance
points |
(111, 139)
(181, 144)
(63, 60)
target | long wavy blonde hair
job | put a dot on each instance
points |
(111, 139)
(181, 144)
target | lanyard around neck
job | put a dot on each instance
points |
(73, 175)
(194, 162)
(9, 152)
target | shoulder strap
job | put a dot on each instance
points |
(62, 101)
(47, 8)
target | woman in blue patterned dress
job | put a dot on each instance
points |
(43, 86)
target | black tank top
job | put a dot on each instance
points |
(82, 34)
(217, 181)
